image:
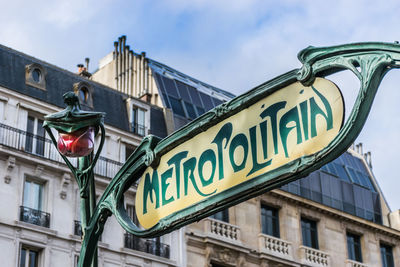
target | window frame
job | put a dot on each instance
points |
(29, 249)
(274, 217)
(29, 79)
(354, 249)
(36, 135)
(311, 232)
(385, 259)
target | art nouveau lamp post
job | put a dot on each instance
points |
(76, 133)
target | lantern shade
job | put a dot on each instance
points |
(72, 118)
(76, 144)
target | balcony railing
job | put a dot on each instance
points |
(314, 257)
(222, 229)
(42, 147)
(154, 247)
(351, 263)
(138, 129)
(275, 246)
(77, 228)
(33, 216)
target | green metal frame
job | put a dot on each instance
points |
(368, 61)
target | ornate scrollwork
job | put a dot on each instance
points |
(369, 62)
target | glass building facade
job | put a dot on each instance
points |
(344, 184)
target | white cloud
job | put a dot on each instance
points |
(231, 44)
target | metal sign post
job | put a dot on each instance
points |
(276, 133)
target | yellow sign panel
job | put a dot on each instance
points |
(292, 122)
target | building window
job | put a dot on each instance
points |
(387, 256)
(354, 247)
(138, 121)
(35, 75)
(29, 257)
(84, 92)
(32, 204)
(33, 195)
(269, 221)
(35, 136)
(222, 215)
(309, 233)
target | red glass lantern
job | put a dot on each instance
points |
(76, 144)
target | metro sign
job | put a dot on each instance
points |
(292, 122)
(271, 135)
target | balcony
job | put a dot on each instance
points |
(222, 230)
(351, 263)
(33, 216)
(313, 257)
(275, 246)
(138, 129)
(44, 148)
(154, 247)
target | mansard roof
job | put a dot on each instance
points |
(58, 81)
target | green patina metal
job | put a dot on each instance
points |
(70, 120)
(368, 61)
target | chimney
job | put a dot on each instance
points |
(87, 63)
(82, 70)
(367, 157)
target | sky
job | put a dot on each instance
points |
(231, 44)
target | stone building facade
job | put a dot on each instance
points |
(337, 216)
(39, 199)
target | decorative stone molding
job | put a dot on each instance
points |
(39, 170)
(224, 255)
(35, 75)
(351, 263)
(275, 246)
(314, 257)
(220, 229)
(65, 181)
(84, 91)
(10, 165)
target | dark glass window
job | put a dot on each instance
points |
(309, 233)
(387, 256)
(269, 221)
(190, 110)
(37, 75)
(216, 101)
(200, 110)
(183, 91)
(28, 257)
(34, 142)
(354, 247)
(177, 106)
(222, 215)
(207, 101)
(170, 87)
(195, 96)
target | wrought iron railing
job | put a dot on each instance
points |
(77, 228)
(33, 216)
(154, 247)
(43, 147)
(138, 129)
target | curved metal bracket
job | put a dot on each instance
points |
(368, 61)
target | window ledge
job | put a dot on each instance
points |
(36, 228)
